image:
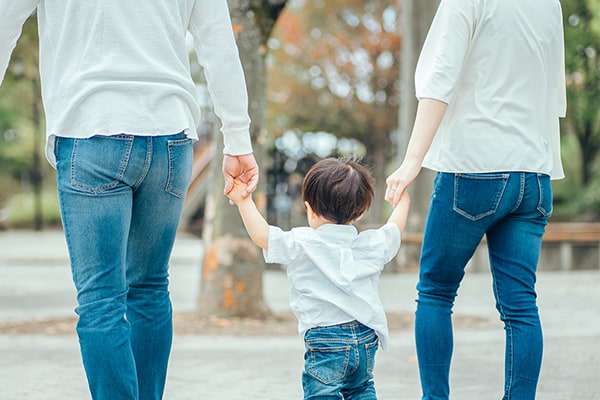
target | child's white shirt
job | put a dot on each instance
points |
(334, 273)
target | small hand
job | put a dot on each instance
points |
(237, 193)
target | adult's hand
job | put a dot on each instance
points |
(400, 179)
(243, 168)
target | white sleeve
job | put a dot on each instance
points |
(393, 239)
(446, 45)
(218, 54)
(282, 247)
(561, 81)
(13, 15)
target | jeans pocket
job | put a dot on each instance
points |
(478, 195)
(180, 166)
(545, 187)
(327, 362)
(98, 163)
(371, 350)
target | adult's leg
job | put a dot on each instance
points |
(462, 207)
(449, 242)
(157, 204)
(514, 246)
(96, 209)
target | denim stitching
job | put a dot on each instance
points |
(147, 162)
(121, 171)
(509, 333)
(171, 144)
(496, 202)
(540, 207)
(521, 192)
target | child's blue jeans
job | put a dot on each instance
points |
(339, 361)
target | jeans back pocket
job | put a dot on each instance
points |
(180, 166)
(98, 163)
(478, 195)
(327, 362)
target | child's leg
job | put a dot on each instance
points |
(326, 359)
(339, 359)
(359, 383)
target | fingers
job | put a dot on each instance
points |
(393, 194)
(228, 184)
(251, 185)
(242, 168)
(393, 186)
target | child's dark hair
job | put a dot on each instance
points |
(339, 190)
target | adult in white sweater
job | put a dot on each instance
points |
(121, 114)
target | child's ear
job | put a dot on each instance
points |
(359, 218)
(309, 209)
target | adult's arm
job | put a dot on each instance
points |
(427, 121)
(13, 14)
(217, 51)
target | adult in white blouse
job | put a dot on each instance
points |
(490, 84)
(121, 114)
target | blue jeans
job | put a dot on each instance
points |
(339, 361)
(511, 209)
(121, 199)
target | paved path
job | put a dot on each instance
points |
(35, 283)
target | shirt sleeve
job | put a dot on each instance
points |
(393, 239)
(12, 17)
(282, 246)
(561, 81)
(446, 45)
(215, 45)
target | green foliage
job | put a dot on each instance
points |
(21, 117)
(19, 210)
(581, 156)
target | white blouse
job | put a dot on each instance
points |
(499, 64)
(334, 273)
(114, 66)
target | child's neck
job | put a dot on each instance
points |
(317, 222)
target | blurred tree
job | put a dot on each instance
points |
(416, 19)
(582, 37)
(231, 282)
(22, 117)
(334, 68)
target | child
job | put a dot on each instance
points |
(334, 275)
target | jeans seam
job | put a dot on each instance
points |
(147, 163)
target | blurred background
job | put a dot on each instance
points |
(336, 75)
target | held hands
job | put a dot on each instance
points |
(400, 179)
(242, 169)
(237, 193)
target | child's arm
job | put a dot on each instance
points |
(400, 212)
(255, 224)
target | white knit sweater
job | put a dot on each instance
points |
(122, 66)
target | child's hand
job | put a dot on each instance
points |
(404, 198)
(236, 194)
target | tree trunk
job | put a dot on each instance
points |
(416, 19)
(231, 284)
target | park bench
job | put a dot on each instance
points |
(565, 246)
